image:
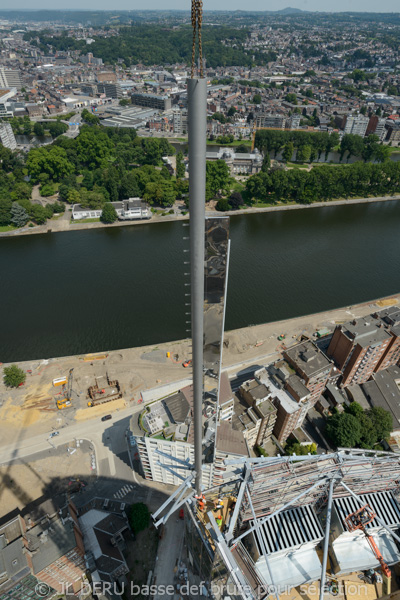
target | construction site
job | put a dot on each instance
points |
(293, 527)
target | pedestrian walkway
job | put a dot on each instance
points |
(123, 491)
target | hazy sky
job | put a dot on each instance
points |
(321, 5)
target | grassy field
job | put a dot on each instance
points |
(85, 221)
(4, 228)
(297, 165)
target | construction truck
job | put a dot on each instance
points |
(360, 519)
(66, 401)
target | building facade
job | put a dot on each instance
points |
(151, 101)
(357, 348)
(312, 366)
(7, 136)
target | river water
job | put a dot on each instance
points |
(103, 289)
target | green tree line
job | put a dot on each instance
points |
(310, 146)
(325, 183)
(157, 44)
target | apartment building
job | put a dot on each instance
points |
(10, 78)
(180, 120)
(151, 101)
(357, 347)
(312, 366)
(376, 126)
(356, 125)
(270, 121)
(257, 396)
(390, 317)
(7, 136)
(111, 90)
(288, 394)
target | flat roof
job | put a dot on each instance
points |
(308, 358)
(230, 440)
(365, 331)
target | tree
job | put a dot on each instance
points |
(266, 163)
(139, 517)
(235, 200)
(180, 166)
(217, 176)
(257, 99)
(19, 216)
(344, 430)
(13, 376)
(382, 422)
(292, 98)
(89, 118)
(303, 153)
(51, 160)
(39, 213)
(288, 152)
(223, 204)
(293, 447)
(38, 129)
(124, 102)
(232, 111)
(5, 211)
(73, 197)
(109, 214)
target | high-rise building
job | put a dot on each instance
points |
(152, 101)
(7, 136)
(312, 366)
(269, 121)
(180, 120)
(257, 395)
(10, 78)
(390, 317)
(219, 439)
(356, 125)
(357, 347)
(377, 127)
(111, 90)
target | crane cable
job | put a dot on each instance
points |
(197, 20)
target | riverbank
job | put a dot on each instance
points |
(64, 223)
(31, 410)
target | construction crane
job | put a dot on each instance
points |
(359, 520)
(66, 401)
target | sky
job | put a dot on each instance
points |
(312, 5)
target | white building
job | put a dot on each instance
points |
(356, 125)
(10, 78)
(7, 136)
(180, 120)
(5, 108)
(127, 210)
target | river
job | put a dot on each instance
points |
(103, 289)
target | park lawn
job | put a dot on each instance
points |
(94, 220)
(4, 228)
(297, 165)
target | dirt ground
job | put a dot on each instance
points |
(21, 482)
(31, 409)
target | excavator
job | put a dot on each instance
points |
(66, 402)
(359, 520)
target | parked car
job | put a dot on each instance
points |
(54, 433)
(187, 363)
(106, 417)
